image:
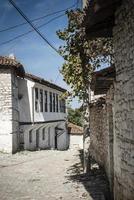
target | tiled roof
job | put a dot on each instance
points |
(44, 82)
(74, 129)
(12, 63)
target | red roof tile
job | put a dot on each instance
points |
(12, 63)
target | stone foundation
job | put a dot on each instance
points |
(101, 126)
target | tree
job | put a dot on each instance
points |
(82, 56)
(75, 116)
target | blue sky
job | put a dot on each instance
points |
(36, 56)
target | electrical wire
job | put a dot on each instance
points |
(33, 26)
(36, 29)
(26, 33)
(11, 47)
(36, 19)
(57, 77)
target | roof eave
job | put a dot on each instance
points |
(100, 17)
(44, 82)
(102, 80)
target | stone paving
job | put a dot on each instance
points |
(46, 175)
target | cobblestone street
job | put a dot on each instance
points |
(44, 175)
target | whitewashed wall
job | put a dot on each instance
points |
(26, 103)
(63, 137)
(5, 111)
(17, 106)
(9, 116)
(49, 141)
(28, 114)
(76, 142)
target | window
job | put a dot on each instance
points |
(57, 103)
(46, 101)
(43, 134)
(41, 100)
(62, 106)
(36, 100)
(53, 102)
(30, 136)
(50, 101)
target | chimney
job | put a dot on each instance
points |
(12, 56)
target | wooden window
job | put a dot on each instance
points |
(30, 136)
(46, 102)
(36, 100)
(57, 103)
(62, 106)
(53, 102)
(50, 101)
(43, 134)
(41, 100)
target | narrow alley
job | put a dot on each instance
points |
(48, 175)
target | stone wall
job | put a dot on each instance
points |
(110, 133)
(101, 137)
(124, 102)
(8, 111)
(98, 136)
(76, 142)
(84, 3)
(5, 111)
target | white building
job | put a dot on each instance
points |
(32, 113)
(75, 136)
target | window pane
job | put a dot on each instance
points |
(36, 93)
(50, 97)
(41, 100)
(46, 101)
(36, 100)
(53, 102)
(62, 106)
(57, 103)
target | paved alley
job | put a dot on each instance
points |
(46, 175)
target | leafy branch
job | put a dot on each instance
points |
(82, 56)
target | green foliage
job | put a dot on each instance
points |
(75, 116)
(82, 56)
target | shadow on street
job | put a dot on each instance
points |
(95, 182)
